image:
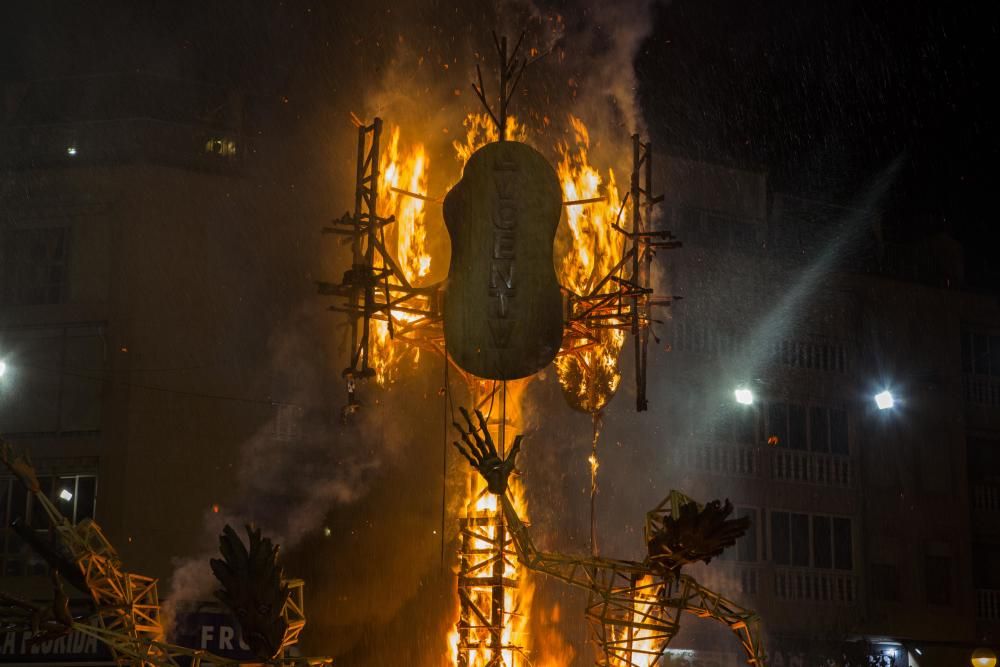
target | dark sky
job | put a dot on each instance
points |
(825, 94)
(821, 94)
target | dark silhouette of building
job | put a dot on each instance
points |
(873, 528)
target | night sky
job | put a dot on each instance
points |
(823, 95)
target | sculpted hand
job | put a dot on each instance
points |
(482, 454)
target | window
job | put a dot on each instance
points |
(822, 542)
(804, 540)
(745, 425)
(838, 432)
(746, 549)
(777, 417)
(74, 495)
(817, 429)
(790, 539)
(735, 423)
(843, 557)
(53, 380)
(966, 352)
(986, 566)
(746, 546)
(800, 539)
(33, 266)
(796, 427)
(981, 353)
(884, 582)
(937, 575)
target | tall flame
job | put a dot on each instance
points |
(481, 130)
(406, 170)
(646, 641)
(588, 373)
(400, 168)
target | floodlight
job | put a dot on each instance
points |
(884, 400)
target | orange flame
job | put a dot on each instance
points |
(588, 373)
(647, 643)
(483, 506)
(481, 130)
(400, 169)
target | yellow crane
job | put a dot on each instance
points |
(126, 605)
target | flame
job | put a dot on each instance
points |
(481, 130)
(647, 642)
(402, 168)
(481, 551)
(588, 373)
(406, 170)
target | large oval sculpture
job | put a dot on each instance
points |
(502, 307)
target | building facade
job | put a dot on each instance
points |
(874, 530)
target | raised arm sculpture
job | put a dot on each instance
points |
(634, 607)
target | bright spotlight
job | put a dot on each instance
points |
(884, 400)
(3, 368)
(66, 495)
(744, 396)
(71, 150)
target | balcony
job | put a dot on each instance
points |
(735, 460)
(811, 585)
(988, 604)
(791, 465)
(737, 579)
(786, 465)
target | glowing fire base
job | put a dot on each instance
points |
(488, 581)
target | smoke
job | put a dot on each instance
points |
(298, 465)
(585, 69)
(375, 483)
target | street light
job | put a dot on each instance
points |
(744, 396)
(3, 368)
(983, 657)
(884, 400)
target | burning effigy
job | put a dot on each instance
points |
(497, 319)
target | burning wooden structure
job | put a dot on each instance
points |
(634, 606)
(607, 296)
(376, 291)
